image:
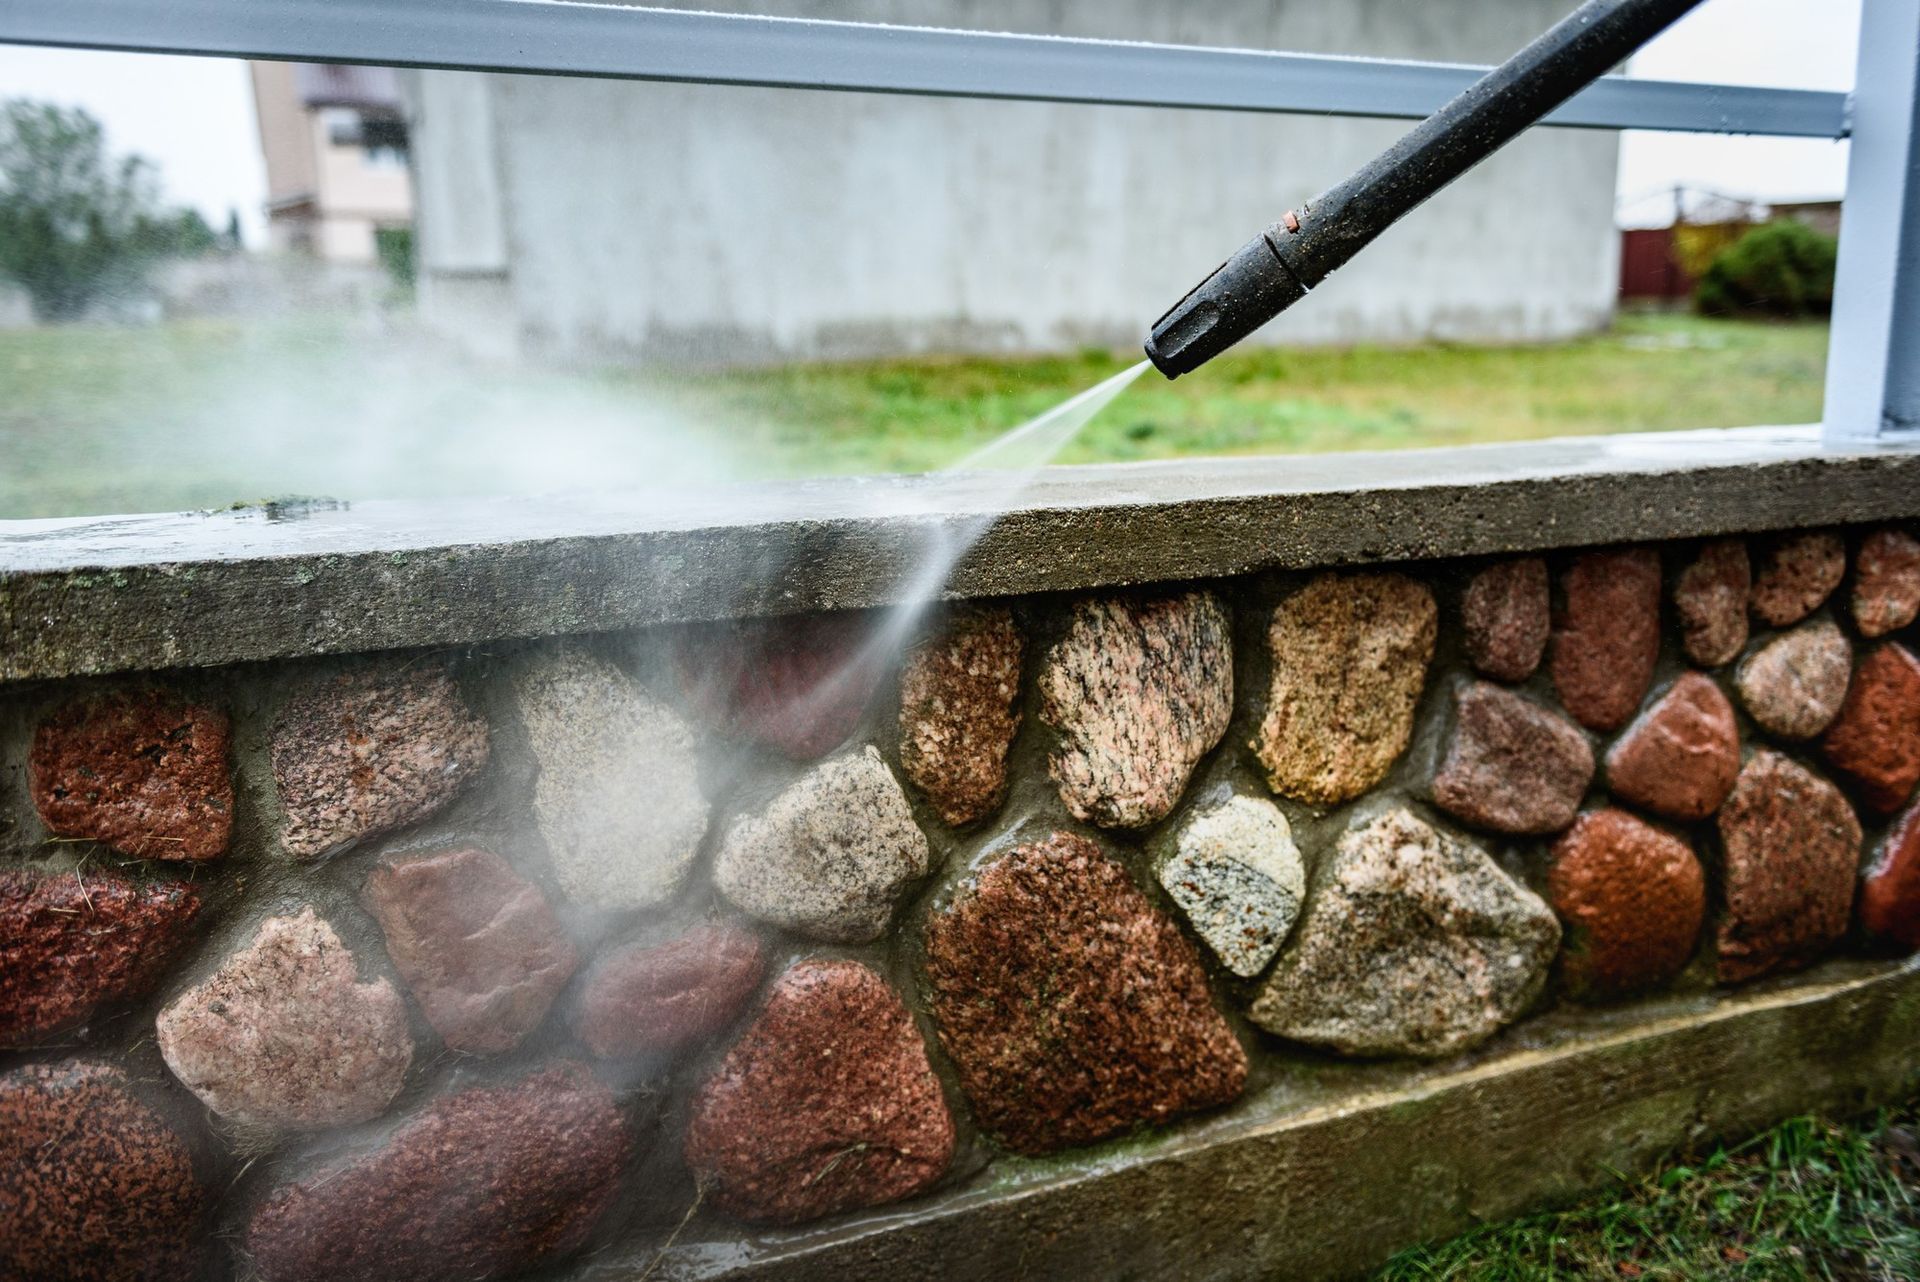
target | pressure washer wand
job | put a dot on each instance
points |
(1275, 269)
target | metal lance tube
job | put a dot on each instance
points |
(1275, 269)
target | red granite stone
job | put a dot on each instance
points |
(1680, 757)
(1606, 635)
(1886, 582)
(797, 685)
(1506, 614)
(958, 711)
(72, 942)
(477, 943)
(1632, 898)
(1511, 765)
(1790, 848)
(1890, 894)
(827, 1103)
(143, 772)
(369, 751)
(94, 1185)
(1875, 741)
(480, 1184)
(663, 999)
(1071, 1007)
(1710, 600)
(1797, 573)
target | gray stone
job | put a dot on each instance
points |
(1415, 943)
(1237, 876)
(1710, 600)
(829, 858)
(1794, 684)
(284, 1034)
(1140, 690)
(618, 798)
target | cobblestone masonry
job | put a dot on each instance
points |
(452, 965)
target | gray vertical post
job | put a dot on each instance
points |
(1873, 357)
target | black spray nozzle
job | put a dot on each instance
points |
(1241, 295)
(1275, 270)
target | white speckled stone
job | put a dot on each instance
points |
(1237, 876)
(829, 858)
(286, 1035)
(618, 798)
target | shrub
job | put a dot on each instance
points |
(1781, 268)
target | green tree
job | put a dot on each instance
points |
(76, 222)
(1782, 268)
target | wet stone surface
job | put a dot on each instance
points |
(1139, 690)
(1631, 898)
(1886, 582)
(537, 1163)
(1790, 846)
(284, 1034)
(1890, 893)
(797, 685)
(1071, 1008)
(1511, 765)
(1680, 757)
(1606, 635)
(826, 1104)
(71, 943)
(666, 998)
(618, 796)
(94, 1185)
(1795, 575)
(477, 943)
(1875, 741)
(1350, 655)
(829, 858)
(1238, 877)
(959, 710)
(142, 771)
(1793, 686)
(1415, 943)
(367, 752)
(1506, 615)
(1710, 602)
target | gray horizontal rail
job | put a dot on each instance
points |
(561, 37)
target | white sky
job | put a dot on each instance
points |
(194, 116)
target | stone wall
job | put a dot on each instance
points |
(665, 951)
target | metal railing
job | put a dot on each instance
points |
(1873, 365)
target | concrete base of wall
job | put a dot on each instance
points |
(1310, 1183)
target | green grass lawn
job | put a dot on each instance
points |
(1807, 1200)
(206, 413)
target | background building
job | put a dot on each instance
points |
(585, 219)
(335, 143)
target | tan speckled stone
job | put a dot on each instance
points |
(1886, 582)
(1415, 943)
(829, 858)
(1350, 655)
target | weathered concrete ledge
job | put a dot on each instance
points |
(196, 589)
(1330, 1189)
